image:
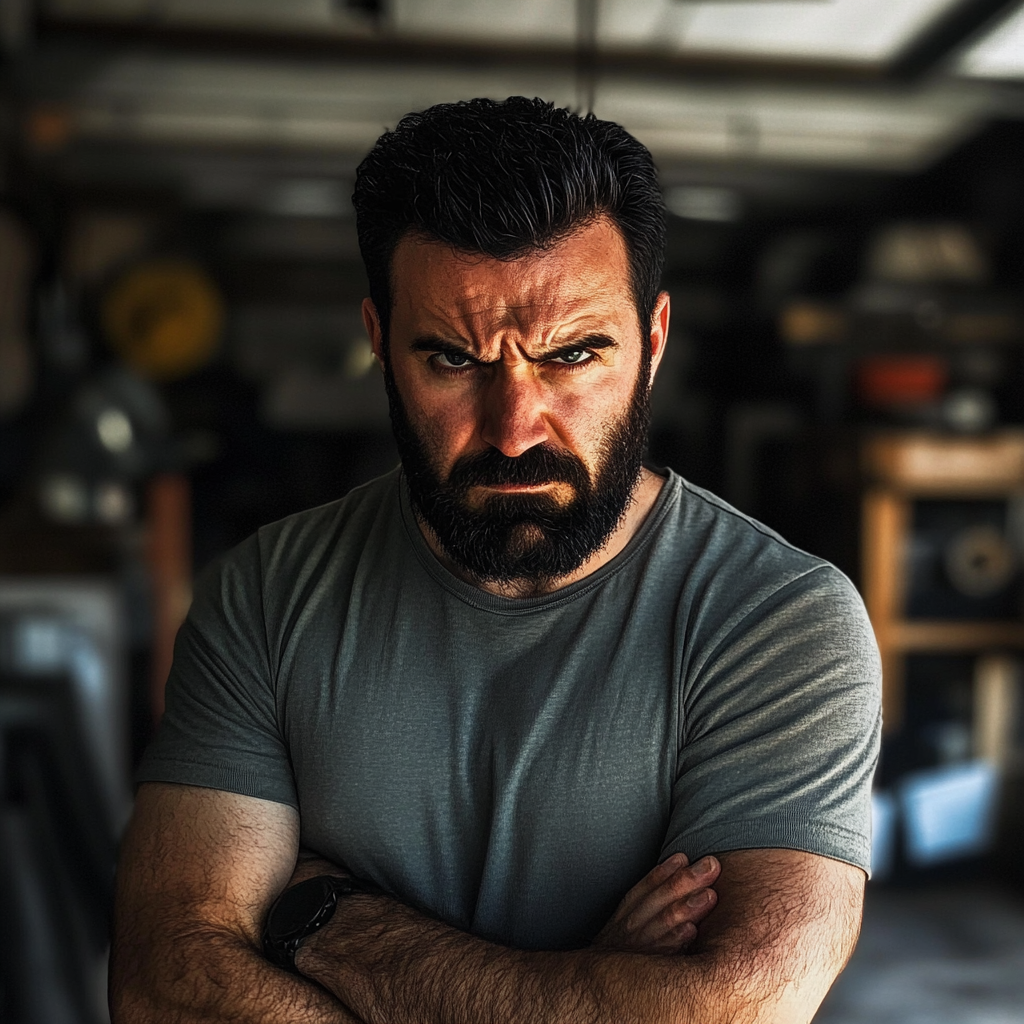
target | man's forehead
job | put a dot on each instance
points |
(584, 275)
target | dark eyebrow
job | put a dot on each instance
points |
(432, 343)
(590, 341)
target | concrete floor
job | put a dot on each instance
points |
(950, 955)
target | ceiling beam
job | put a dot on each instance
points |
(946, 35)
(924, 54)
(379, 46)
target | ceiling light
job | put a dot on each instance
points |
(310, 197)
(704, 202)
(114, 430)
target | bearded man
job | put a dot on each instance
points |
(523, 731)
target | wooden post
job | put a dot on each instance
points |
(885, 524)
(995, 707)
(169, 551)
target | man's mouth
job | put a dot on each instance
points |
(559, 490)
(520, 487)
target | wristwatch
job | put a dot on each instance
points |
(302, 910)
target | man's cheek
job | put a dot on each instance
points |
(449, 434)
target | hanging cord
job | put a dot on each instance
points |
(586, 55)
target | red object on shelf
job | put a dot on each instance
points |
(901, 380)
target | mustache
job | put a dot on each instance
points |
(540, 464)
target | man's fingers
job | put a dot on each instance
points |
(689, 880)
(657, 876)
(674, 941)
(660, 913)
(681, 936)
(699, 903)
(677, 919)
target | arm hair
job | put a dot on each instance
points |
(197, 872)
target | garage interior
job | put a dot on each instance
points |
(182, 360)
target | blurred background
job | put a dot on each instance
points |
(182, 360)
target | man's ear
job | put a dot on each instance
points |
(371, 321)
(659, 331)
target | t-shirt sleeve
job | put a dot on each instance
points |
(781, 728)
(220, 725)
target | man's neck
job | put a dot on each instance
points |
(645, 494)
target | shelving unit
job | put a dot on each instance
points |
(913, 465)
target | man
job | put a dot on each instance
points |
(545, 706)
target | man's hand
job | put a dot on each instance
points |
(661, 912)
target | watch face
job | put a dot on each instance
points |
(299, 907)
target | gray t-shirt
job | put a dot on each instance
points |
(515, 766)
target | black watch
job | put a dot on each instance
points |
(302, 910)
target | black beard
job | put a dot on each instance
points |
(525, 538)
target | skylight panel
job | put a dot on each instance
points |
(856, 30)
(859, 30)
(1000, 54)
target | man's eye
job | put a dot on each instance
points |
(574, 356)
(451, 360)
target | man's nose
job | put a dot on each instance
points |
(514, 411)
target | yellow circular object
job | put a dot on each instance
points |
(164, 318)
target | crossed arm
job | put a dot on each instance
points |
(199, 869)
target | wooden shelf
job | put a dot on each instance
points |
(921, 636)
(929, 465)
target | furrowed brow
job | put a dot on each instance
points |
(432, 343)
(435, 343)
(591, 341)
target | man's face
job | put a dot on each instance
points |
(519, 398)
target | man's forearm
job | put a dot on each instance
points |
(198, 870)
(786, 924)
(392, 965)
(212, 976)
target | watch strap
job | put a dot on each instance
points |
(280, 945)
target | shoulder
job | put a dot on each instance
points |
(741, 578)
(287, 554)
(349, 518)
(731, 536)
(722, 551)
(343, 524)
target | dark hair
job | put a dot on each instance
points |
(504, 179)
